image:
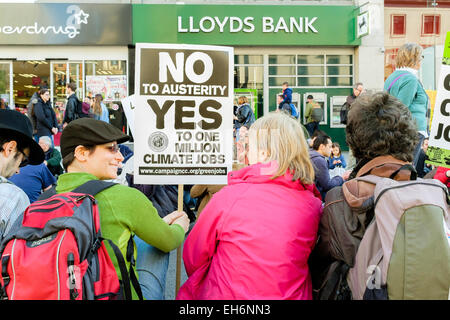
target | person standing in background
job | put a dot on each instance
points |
(99, 109)
(405, 85)
(46, 123)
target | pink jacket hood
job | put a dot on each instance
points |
(253, 239)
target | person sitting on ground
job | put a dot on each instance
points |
(319, 154)
(17, 148)
(90, 152)
(34, 180)
(381, 133)
(249, 242)
(52, 156)
(204, 192)
(337, 158)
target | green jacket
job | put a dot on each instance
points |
(124, 212)
(409, 90)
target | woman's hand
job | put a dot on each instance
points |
(171, 217)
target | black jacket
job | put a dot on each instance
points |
(73, 109)
(45, 118)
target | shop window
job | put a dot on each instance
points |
(5, 75)
(278, 81)
(282, 71)
(339, 70)
(282, 59)
(310, 70)
(339, 81)
(248, 77)
(248, 59)
(341, 59)
(107, 77)
(398, 25)
(431, 25)
(310, 82)
(316, 59)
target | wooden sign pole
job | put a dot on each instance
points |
(178, 272)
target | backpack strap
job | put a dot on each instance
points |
(93, 187)
(409, 167)
(395, 80)
(132, 261)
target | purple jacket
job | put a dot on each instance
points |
(322, 179)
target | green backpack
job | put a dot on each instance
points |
(405, 251)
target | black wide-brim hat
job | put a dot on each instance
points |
(89, 132)
(17, 127)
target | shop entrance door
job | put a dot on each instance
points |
(6, 84)
(62, 73)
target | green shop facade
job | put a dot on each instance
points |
(313, 48)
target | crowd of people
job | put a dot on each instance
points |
(289, 222)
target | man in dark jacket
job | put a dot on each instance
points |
(319, 154)
(73, 107)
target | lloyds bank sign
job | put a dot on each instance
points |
(245, 24)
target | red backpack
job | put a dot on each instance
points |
(55, 251)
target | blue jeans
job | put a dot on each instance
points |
(311, 127)
(151, 266)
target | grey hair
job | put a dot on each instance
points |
(356, 85)
(47, 140)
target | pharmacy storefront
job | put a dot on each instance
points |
(53, 44)
(311, 47)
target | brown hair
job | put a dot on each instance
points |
(72, 86)
(379, 124)
(97, 107)
(68, 159)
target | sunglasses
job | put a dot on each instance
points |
(113, 148)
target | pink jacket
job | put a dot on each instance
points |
(253, 239)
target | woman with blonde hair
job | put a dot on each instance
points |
(254, 237)
(99, 109)
(405, 85)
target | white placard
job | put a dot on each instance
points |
(184, 114)
(128, 105)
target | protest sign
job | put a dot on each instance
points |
(439, 143)
(128, 105)
(184, 114)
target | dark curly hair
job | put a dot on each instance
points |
(380, 124)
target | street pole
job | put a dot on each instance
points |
(178, 271)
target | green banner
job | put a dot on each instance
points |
(439, 143)
(245, 24)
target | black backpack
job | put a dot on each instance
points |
(343, 113)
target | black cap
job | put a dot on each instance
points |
(89, 132)
(18, 127)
